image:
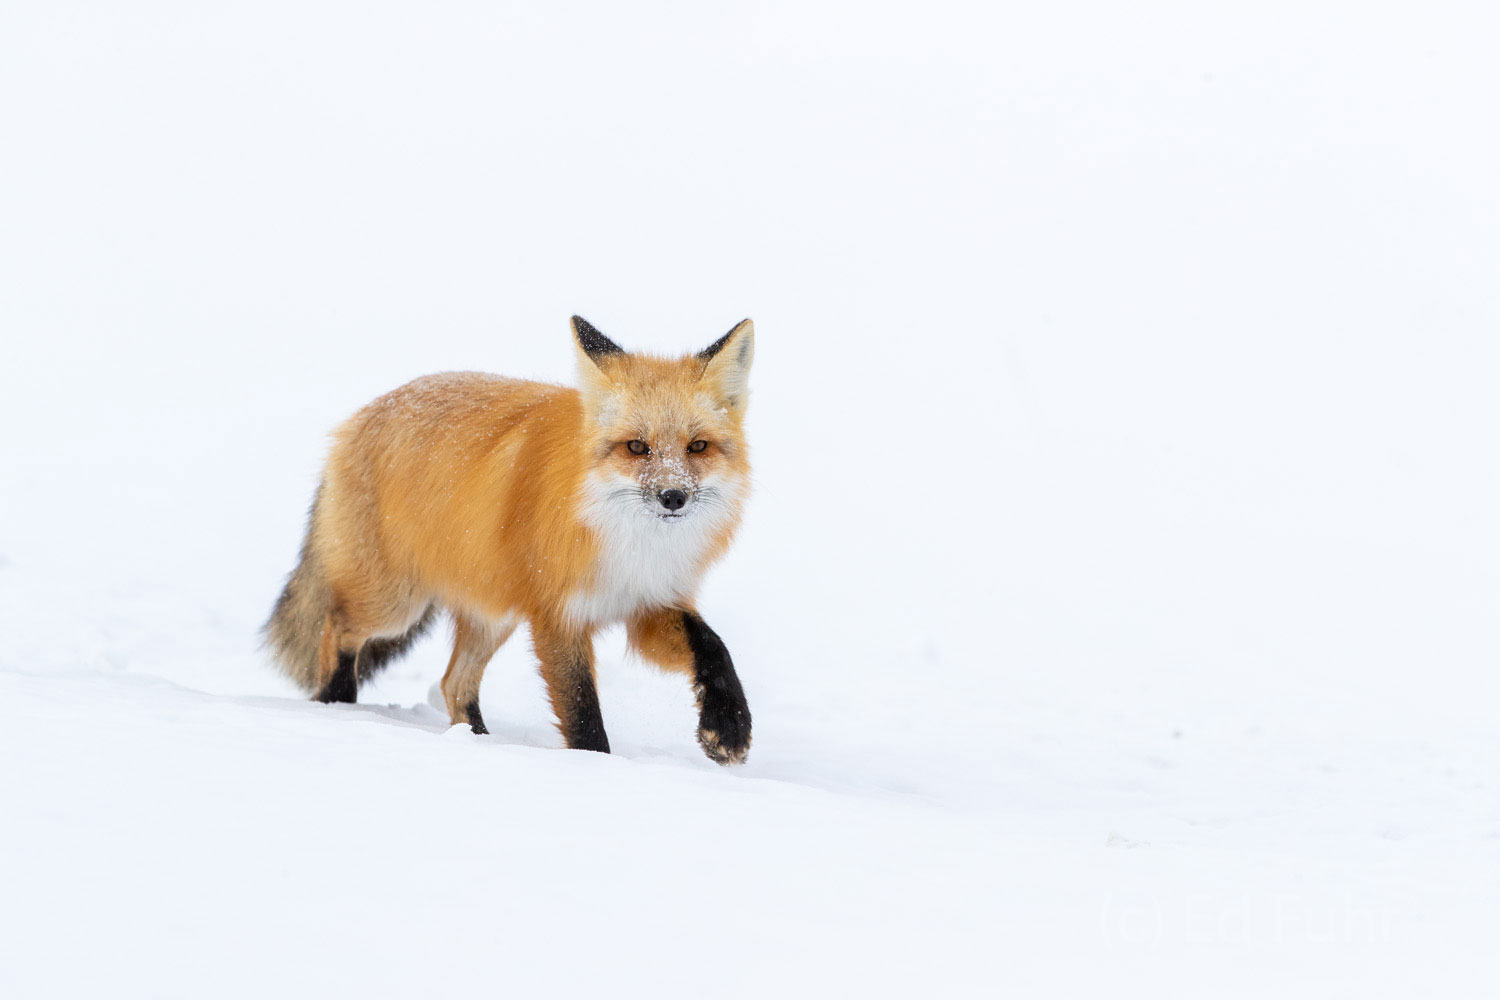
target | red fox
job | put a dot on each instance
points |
(502, 501)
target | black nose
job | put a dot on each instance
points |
(672, 499)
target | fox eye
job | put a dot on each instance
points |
(697, 446)
(638, 447)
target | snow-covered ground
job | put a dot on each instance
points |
(1117, 607)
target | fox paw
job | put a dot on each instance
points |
(724, 732)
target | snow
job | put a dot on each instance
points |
(1116, 602)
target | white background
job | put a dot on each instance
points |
(1117, 606)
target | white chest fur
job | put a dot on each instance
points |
(644, 561)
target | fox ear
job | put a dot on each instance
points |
(726, 363)
(593, 343)
(594, 349)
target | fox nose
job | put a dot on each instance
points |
(672, 499)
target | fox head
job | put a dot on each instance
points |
(666, 435)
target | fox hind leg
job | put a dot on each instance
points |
(343, 686)
(337, 663)
(347, 658)
(474, 644)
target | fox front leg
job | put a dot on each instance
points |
(567, 661)
(723, 715)
(682, 641)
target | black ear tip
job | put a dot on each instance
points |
(594, 343)
(708, 352)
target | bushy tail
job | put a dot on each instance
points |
(295, 629)
(294, 632)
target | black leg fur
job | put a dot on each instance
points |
(585, 726)
(723, 715)
(378, 652)
(356, 668)
(344, 684)
(476, 721)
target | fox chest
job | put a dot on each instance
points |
(642, 564)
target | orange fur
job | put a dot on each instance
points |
(658, 638)
(503, 501)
